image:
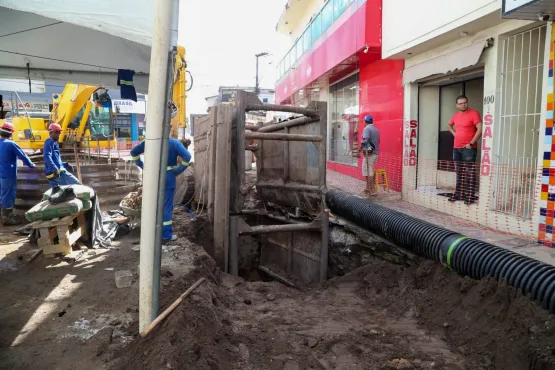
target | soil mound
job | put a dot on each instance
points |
(381, 316)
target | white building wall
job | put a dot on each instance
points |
(491, 59)
(408, 23)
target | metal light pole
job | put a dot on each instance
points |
(164, 43)
(257, 87)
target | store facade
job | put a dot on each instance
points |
(503, 67)
(336, 57)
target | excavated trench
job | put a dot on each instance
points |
(382, 308)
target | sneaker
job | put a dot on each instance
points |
(172, 239)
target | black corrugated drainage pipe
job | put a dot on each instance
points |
(466, 256)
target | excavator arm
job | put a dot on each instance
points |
(179, 93)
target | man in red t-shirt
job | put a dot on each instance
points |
(466, 127)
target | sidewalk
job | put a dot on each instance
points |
(524, 246)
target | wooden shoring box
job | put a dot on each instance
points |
(58, 235)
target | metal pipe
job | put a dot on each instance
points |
(162, 189)
(325, 228)
(153, 153)
(26, 114)
(282, 108)
(281, 137)
(166, 124)
(268, 229)
(233, 245)
(287, 124)
(322, 163)
(286, 156)
(251, 127)
(283, 219)
(289, 186)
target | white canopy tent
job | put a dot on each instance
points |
(76, 41)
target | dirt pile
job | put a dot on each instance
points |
(133, 200)
(195, 335)
(381, 316)
(491, 324)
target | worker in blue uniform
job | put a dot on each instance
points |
(174, 169)
(56, 171)
(10, 152)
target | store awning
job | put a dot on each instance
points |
(76, 41)
(458, 59)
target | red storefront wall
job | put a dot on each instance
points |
(381, 96)
(381, 90)
(359, 26)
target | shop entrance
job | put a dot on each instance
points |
(436, 106)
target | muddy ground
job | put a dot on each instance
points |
(382, 316)
(417, 314)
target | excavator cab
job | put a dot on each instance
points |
(101, 123)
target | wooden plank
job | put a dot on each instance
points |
(202, 141)
(62, 247)
(222, 186)
(83, 224)
(237, 198)
(210, 175)
(76, 235)
(310, 256)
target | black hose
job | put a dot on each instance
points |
(466, 256)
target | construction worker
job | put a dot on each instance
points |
(9, 153)
(57, 172)
(175, 168)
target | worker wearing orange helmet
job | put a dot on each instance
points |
(10, 152)
(56, 171)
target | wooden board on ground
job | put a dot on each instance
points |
(59, 235)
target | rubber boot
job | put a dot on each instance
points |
(8, 217)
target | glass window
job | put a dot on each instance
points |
(344, 121)
(339, 7)
(292, 56)
(299, 47)
(307, 39)
(286, 61)
(316, 28)
(327, 16)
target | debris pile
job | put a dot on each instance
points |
(133, 200)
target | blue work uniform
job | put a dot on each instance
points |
(53, 165)
(175, 149)
(9, 153)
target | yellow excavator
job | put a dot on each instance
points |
(85, 114)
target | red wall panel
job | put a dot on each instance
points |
(358, 26)
(381, 96)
